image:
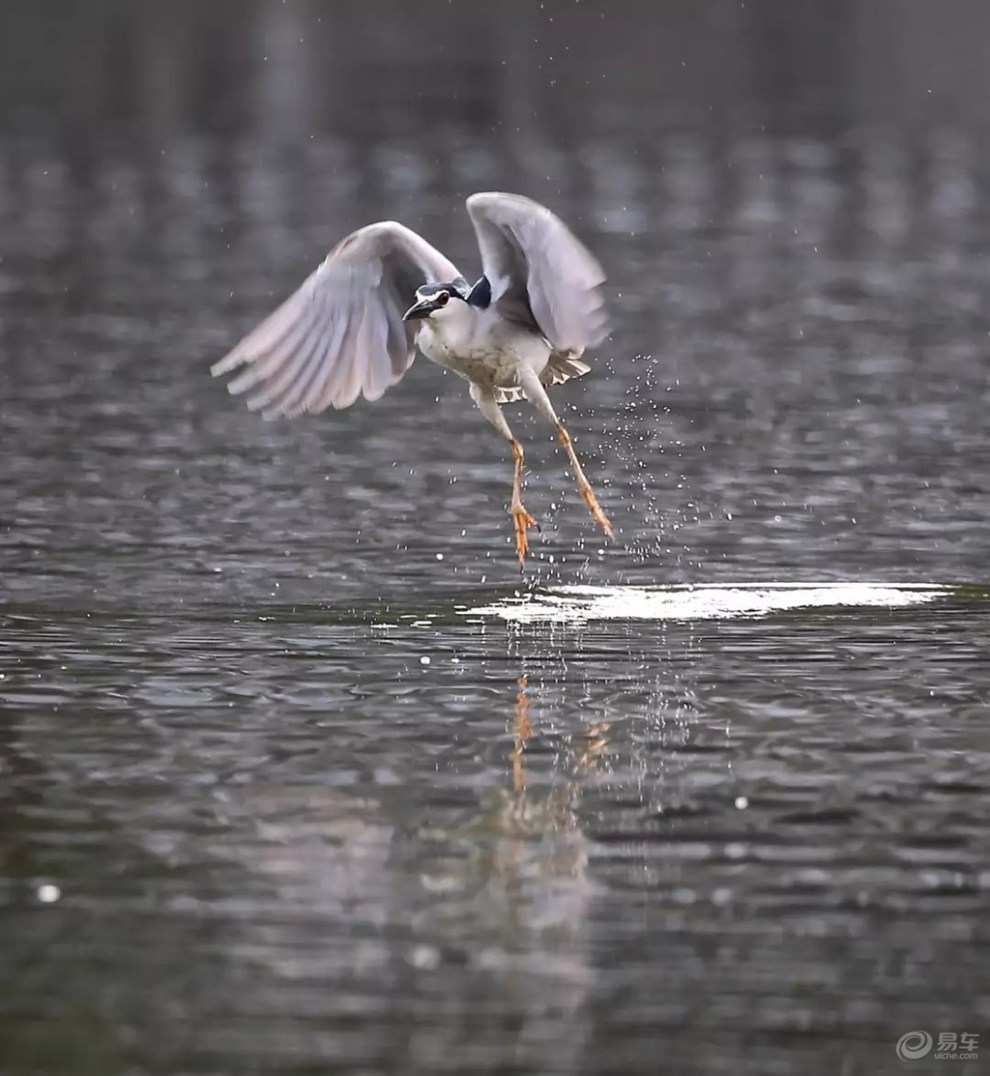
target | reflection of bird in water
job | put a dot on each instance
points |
(527, 872)
(524, 325)
(592, 744)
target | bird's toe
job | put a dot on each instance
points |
(522, 521)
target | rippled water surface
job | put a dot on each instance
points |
(300, 775)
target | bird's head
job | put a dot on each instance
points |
(433, 301)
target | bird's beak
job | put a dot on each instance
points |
(422, 309)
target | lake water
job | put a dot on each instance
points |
(300, 774)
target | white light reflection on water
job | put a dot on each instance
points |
(576, 604)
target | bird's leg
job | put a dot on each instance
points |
(521, 519)
(583, 484)
(537, 396)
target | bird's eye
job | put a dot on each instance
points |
(442, 298)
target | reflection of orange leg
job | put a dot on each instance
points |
(523, 732)
(583, 484)
(521, 519)
(594, 743)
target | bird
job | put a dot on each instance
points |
(355, 324)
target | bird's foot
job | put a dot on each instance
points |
(596, 512)
(522, 521)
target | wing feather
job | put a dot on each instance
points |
(289, 383)
(312, 379)
(341, 334)
(541, 274)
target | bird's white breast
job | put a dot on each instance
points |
(480, 346)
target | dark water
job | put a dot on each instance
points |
(279, 795)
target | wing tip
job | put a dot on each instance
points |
(229, 362)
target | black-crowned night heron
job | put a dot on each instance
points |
(350, 331)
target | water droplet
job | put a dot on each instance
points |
(426, 957)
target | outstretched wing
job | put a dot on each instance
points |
(541, 274)
(341, 334)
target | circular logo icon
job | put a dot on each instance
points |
(914, 1045)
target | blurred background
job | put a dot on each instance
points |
(277, 794)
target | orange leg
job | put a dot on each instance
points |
(521, 519)
(583, 484)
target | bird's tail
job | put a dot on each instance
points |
(561, 367)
